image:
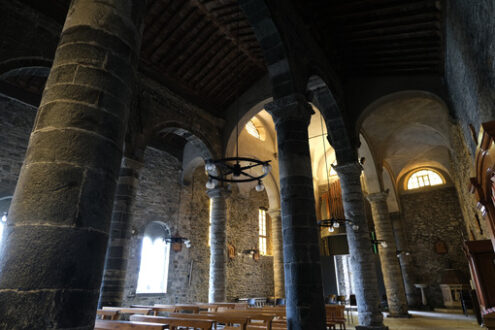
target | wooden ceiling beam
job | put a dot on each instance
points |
(214, 63)
(426, 26)
(227, 33)
(174, 33)
(397, 21)
(397, 36)
(394, 11)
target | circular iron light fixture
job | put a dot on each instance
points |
(235, 169)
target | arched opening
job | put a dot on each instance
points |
(421, 178)
(155, 254)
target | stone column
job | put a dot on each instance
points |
(52, 260)
(405, 261)
(360, 248)
(303, 286)
(278, 253)
(392, 276)
(218, 244)
(112, 288)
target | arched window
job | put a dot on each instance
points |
(263, 235)
(155, 253)
(256, 129)
(423, 178)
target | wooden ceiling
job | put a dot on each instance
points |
(206, 51)
(378, 37)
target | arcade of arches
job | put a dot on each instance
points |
(377, 115)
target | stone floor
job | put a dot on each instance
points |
(430, 320)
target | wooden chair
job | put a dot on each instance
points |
(125, 325)
(107, 315)
(335, 315)
(173, 322)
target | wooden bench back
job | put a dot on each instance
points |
(125, 325)
(107, 315)
(174, 322)
(128, 310)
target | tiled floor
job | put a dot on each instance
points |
(430, 320)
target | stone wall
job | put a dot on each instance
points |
(245, 276)
(430, 216)
(469, 69)
(463, 169)
(157, 200)
(16, 122)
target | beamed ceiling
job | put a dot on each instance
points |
(378, 37)
(206, 51)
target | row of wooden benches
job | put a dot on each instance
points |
(253, 318)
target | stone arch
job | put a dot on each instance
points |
(272, 45)
(338, 133)
(196, 150)
(24, 62)
(155, 227)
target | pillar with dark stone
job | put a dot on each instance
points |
(405, 260)
(392, 275)
(218, 244)
(278, 253)
(360, 248)
(303, 285)
(114, 275)
(51, 263)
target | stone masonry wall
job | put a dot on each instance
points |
(16, 122)
(157, 200)
(463, 170)
(245, 276)
(469, 69)
(430, 216)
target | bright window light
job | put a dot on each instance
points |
(153, 273)
(251, 129)
(424, 178)
(263, 236)
(3, 221)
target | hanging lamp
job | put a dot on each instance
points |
(332, 223)
(236, 169)
(177, 240)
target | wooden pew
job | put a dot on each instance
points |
(224, 318)
(125, 325)
(187, 308)
(174, 322)
(128, 310)
(253, 315)
(107, 315)
(335, 314)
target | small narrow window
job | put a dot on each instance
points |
(155, 253)
(209, 226)
(263, 236)
(3, 222)
(424, 178)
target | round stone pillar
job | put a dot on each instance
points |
(392, 275)
(360, 248)
(405, 260)
(303, 287)
(112, 288)
(51, 262)
(218, 244)
(278, 253)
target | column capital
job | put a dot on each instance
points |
(274, 213)
(377, 197)
(293, 106)
(348, 168)
(218, 192)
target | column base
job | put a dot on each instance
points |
(371, 327)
